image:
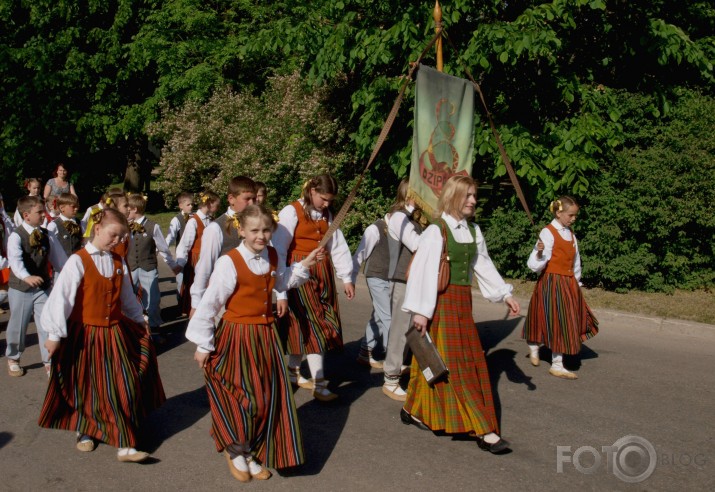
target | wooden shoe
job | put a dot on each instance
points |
(394, 391)
(297, 380)
(241, 476)
(562, 373)
(257, 471)
(321, 391)
(129, 457)
(14, 369)
(85, 444)
(534, 359)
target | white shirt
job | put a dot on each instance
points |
(337, 246)
(60, 302)
(14, 253)
(224, 282)
(54, 237)
(421, 291)
(400, 228)
(161, 246)
(537, 265)
(174, 228)
(189, 237)
(369, 240)
(211, 243)
(9, 227)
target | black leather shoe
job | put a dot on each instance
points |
(495, 448)
(408, 419)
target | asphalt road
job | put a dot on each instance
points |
(651, 379)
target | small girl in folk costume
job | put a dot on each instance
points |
(32, 185)
(104, 378)
(189, 247)
(252, 409)
(559, 317)
(313, 315)
(462, 402)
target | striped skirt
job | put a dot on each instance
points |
(463, 401)
(103, 382)
(188, 280)
(249, 395)
(313, 315)
(558, 315)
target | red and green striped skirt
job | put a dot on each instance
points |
(103, 382)
(558, 315)
(313, 314)
(249, 395)
(463, 401)
(187, 282)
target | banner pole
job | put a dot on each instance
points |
(437, 16)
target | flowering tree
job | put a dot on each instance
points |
(281, 137)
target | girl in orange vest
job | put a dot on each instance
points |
(314, 325)
(253, 414)
(559, 317)
(104, 376)
(189, 247)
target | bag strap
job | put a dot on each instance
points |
(445, 251)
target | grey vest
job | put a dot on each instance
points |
(400, 255)
(35, 261)
(69, 243)
(378, 263)
(142, 249)
(182, 226)
(230, 240)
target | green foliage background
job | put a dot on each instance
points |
(605, 99)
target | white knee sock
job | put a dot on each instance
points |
(557, 361)
(315, 363)
(534, 349)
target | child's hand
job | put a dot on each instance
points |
(51, 346)
(33, 280)
(177, 270)
(281, 307)
(313, 257)
(349, 290)
(513, 305)
(201, 358)
(539, 249)
(420, 322)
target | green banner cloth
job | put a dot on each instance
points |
(443, 139)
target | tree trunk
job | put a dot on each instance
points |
(137, 177)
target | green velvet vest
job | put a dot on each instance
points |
(460, 256)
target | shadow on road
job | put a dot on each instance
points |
(5, 438)
(177, 414)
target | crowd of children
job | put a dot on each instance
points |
(93, 289)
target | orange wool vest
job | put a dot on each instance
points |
(251, 302)
(98, 298)
(308, 233)
(563, 254)
(196, 247)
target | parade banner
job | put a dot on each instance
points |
(443, 139)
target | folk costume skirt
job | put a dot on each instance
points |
(187, 282)
(313, 315)
(103, 382)
(463, 401)
(250, 397)
(558, 315)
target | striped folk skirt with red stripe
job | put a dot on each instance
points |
(103, 382)
(558, 315)
(463, 401)
(187, 282)
(249, 395)
(313, 315)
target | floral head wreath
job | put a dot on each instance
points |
(203, 198)
(98, 215)
(556, 206)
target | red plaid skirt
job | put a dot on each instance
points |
(463, 402)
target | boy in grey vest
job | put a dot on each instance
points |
(64, 230)
(29, 254)
(146, 239)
